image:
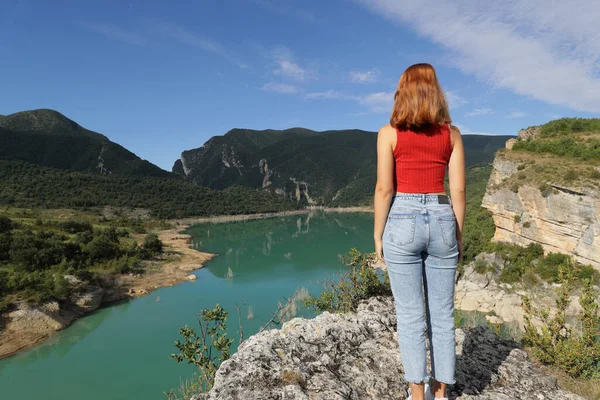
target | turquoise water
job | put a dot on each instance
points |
(122, 351)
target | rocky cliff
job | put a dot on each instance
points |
(356, 356)
(546, 199)
(321, 168)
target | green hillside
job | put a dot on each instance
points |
(333, 168)
(32, 186)
(48, 138)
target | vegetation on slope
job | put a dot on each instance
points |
(48, 138)
(36, 255)
(30, 186)
(339, 167)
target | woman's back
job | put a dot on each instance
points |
(421, 158)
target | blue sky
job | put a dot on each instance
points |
(161, 77)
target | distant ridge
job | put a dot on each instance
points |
(335, 168)
(48, 138)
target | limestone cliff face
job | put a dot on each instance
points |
(355, 356)
(563, 218)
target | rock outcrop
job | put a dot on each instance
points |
(356, 356)
(562, 218)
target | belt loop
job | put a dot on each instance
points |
(423, 199)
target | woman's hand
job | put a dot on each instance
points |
(379, 250)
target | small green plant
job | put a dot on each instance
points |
(521, 176)
(359, 283)
(199, 350)
(482, 267)
(556, 343)
(545, 189)
(526, 224)
(521, 167)
(570, 176)
(515, 188)
(517, 218)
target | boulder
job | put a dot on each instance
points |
(356, 356)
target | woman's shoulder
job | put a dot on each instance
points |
(387, 131)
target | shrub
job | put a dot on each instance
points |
(595, 174)
(517, 218)
(577, 353)
(521, 167)
(198, 350)
(75, 226)
(526, 224)
(570, 176)
(359, 283)
(481, 267)
(545, 189)
(152, 244)
(521, 176)
(515, 188)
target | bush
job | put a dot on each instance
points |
(577, 353)
(570, 176)
(152, 244)
(75, 226)
(545, 189)
(359, 283)
(198, 350)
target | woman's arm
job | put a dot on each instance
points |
(384, 189)
(456, 175)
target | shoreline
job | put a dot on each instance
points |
(218, 219)
(30, 327)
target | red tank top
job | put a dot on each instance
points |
(421, 159)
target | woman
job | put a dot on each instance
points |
(418, 228)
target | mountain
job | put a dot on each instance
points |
(48, 138)
(545, 189)
(335, 168)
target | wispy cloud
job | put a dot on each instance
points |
(116, 33)
(280, 8)
(199, 41)
(364, 77)
(549, 52)
(466, 131)
(280, 88)
(455, 100)
(516, 114)
(380, 102)
(479, 111)
(285, 65)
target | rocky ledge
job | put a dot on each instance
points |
(356, 356)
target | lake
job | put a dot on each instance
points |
(122, 351)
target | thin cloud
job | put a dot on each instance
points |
(479, 111)
(285, 65)
(379, 102)
(116, 33)
(466, 131)
(280, 88)
(516, 114)
(545, 52)
(364, 77)
(455, 100)
(199, 41)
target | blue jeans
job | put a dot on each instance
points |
(421, 253)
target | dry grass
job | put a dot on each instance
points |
(536, 169)
(589, 389)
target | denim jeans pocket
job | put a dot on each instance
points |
(448, 228)
(401, 228)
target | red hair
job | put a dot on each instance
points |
(419, 101)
